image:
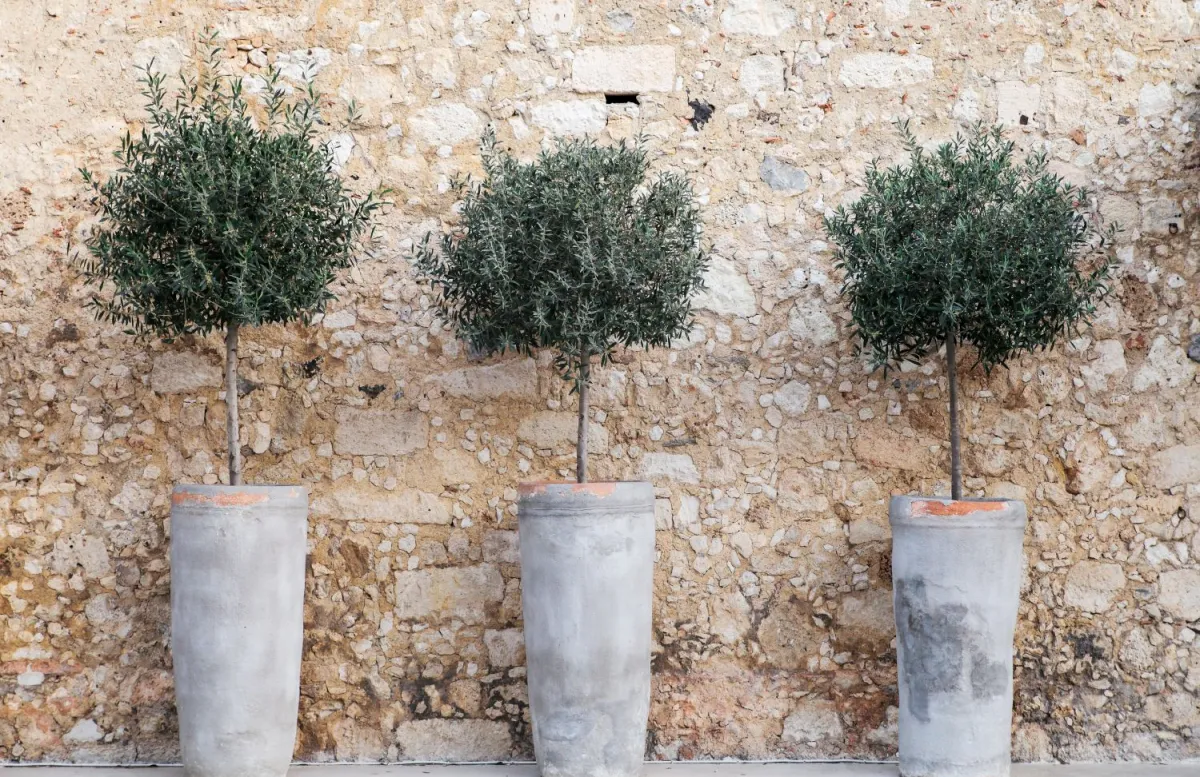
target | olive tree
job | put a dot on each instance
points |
(575, 251)
(222, 214)
(966, 246)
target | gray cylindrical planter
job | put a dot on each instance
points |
(237, 625)
(587, 579)
(956, 572)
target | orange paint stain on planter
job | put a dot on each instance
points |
(235, 499)
(600, 490)
(934, 507)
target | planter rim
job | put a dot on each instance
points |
(550, 499)
(201, 495)
(944, 512)
(598, 488)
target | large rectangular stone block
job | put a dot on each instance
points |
(379, 432)
(455, 592)
(624, 69)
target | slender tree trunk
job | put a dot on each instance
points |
(955, 457)
(231, 405)
(581, 451)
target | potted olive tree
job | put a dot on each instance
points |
(962, 247)
(580, 253)
(225, 215)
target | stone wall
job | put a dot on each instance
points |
(772, 449)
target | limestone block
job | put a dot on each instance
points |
(766, 18)
(885, 71)
(379, 432)
(505, 647)
(184, 372)
(1093, 586)
(571, 117)
(675, 467)
(360, 502)
(762, 73)
(624, 69)
(1179, 593)
(511, 379)
(446, 124)
(726, 292)
(435, 739)
(1017, 103)
(813, 720)
(467, 593)
(547, 17)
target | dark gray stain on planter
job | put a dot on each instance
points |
(936, 642)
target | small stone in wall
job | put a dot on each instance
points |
(505, 647)
(813, 720)
(726, 290)
(781, 176)
(547, 17)
(675, 467)
(83, 731)
(512, 379)
(810, 325)
(1179, 593)
(793, 398)
(450, 592)
(571, 117)
(766, 18)
(1017, 103)
(762, 73)
(445, 124)
(1093, 586)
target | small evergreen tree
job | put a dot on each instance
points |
(963, 246)
(575, 251)
(221, 215)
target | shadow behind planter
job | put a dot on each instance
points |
(237, 625)
(587, 579)
(956, 573)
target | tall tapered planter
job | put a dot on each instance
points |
(587, 575)
(956, 572)
(237, 625)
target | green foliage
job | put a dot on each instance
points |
(221, 213)
(964, 242)
(574, 251)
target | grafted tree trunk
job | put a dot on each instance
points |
(955, 458)
(231, 405)
(585, 376)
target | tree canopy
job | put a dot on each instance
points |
(968, 243)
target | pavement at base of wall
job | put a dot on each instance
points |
(654, 769)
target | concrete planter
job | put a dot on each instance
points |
(237, 625)
(587, 579)
(956, 571)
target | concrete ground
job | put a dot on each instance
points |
(656, 769)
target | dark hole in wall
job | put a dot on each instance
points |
(1024, 120)
(620, 99)
(701, 113)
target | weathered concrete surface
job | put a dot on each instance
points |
(237, 625)
(956, 570)
(587, 586)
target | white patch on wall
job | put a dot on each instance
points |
(1170, 17)
(767, 18)
(1155, 100)
(547, 17)
(445, 124)
(727, 292)
(897, 9)
(168, 54)
(302, 64)
(1068, 98)
(762, 73)
(624, 69)
(809, 323)
(1017, 103)
(967, 108)
(882, 71)
(570, 117)
(340, 146)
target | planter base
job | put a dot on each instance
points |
(956, 573)
(237, 625)
(587, 579)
